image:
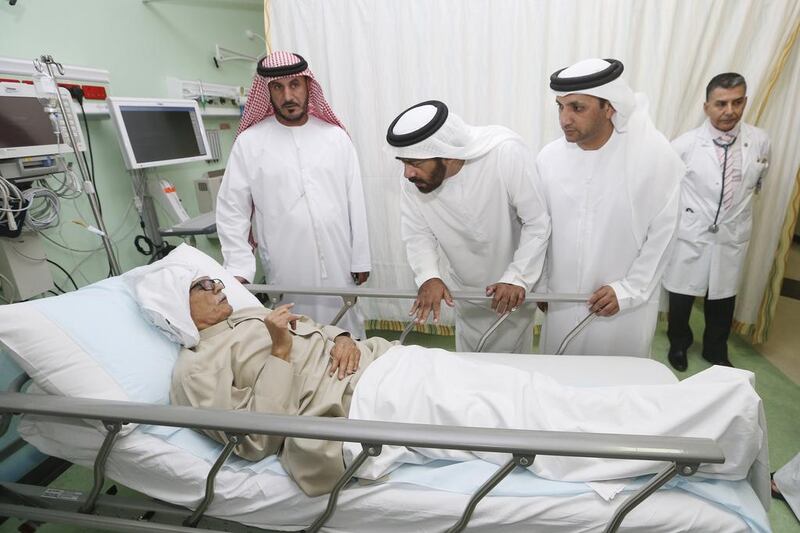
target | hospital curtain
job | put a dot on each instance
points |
(772, 232)
(490, 60)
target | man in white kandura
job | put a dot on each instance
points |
(294, 172)
(612, 187)
(470, 191)
(726, 160)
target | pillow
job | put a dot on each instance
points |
(96, 343)
(91, 343)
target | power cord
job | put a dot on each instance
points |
(65, 272)
(77, 94)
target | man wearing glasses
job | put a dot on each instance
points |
(272, 361)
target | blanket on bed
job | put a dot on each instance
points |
(412, 384)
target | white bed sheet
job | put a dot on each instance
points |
(268, 499)
(171, 465)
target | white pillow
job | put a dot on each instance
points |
(91, 343)
(96, 343)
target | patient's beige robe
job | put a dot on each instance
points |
(232, 368)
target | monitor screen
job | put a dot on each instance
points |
(159, 132)
(23, 122)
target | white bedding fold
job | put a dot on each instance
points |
(412, 384)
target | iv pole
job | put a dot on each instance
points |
(46, 61)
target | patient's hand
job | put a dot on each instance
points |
(345, 356)
(604, 301)
(507, 297)
(429, 298)
(278, 322)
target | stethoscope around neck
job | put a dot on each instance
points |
(714, 227)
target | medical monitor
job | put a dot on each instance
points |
(157, 132)
(26, 130)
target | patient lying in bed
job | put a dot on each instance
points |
(278, 362)
(272, 362)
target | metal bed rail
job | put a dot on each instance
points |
(683, 455)
(350, 296)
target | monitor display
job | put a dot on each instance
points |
(159, 132)
(26, 129)
(23, 122)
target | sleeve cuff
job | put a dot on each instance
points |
(425, 276)
(513, 279)
(331, 332)
(246, 274)
(624, 298)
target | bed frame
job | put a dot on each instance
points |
(682, 455)
(350, 298)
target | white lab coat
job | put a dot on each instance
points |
(597, 210)
(302, 186)
(491, 224)
(712, 262)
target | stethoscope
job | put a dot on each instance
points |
(714, 227)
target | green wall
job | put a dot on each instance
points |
(140, 44)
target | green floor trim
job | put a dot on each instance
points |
(398, 325)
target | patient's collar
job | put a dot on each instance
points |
(305, 326)
(237, 317)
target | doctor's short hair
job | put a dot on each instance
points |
(726, 80)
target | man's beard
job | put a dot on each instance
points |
(436, 179)
(287, 118)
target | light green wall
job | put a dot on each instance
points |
(140, 44)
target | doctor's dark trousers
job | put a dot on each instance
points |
(718, 316)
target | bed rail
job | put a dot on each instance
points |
(350, 296)
(683, 455)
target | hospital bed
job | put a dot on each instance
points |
(128, 434)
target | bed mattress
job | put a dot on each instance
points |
(171, 465)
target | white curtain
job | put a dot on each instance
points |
(490, 61)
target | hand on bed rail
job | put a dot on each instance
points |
(429, 298)
(604, 301)
(507, 297)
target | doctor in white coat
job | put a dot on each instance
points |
(725, 161)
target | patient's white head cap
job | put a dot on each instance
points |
(162, 292)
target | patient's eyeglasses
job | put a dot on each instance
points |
(207, 284)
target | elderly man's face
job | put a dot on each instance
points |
(208, 304)
(426, 174)
(585, 119)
